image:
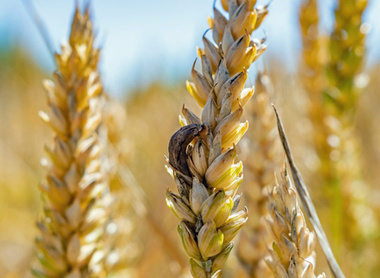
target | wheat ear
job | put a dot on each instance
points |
(347, 51)
(351, 230)
(334, 98)
(292, 253)
(314, 83)
(342, 168)
(307, 203)
(75, 191)
(264, 159)
(120, 240)
(313, 78)
(202, 153)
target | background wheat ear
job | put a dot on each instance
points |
(344, 71)
(121, 241)
(307, 203)
(202, 153)
(332, 82)
(262, 157)
(292, 253)
(75, 193)
(312, 76)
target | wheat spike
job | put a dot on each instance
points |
(202, 153)
(334, 97)
(75, 192)
(347, 50)
(307, 203)
(314, 83)
(313, 78)
(292, 253)
(263, 160)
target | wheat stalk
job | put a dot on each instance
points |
(41, 26)
(75, 191)
(263, 161)
(292, 253)
(202, 153)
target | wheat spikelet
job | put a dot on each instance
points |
(292, 253)
(263, 161)
(75, 192)
(202, 153)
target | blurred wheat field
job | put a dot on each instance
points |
(140, 233)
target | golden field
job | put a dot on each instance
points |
(140, 125)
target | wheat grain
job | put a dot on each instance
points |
(75, 192)
(205, 172)
(292, 253)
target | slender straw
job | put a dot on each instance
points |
(41, 26)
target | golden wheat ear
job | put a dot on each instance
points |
(344, 71)
(75, 193)
(331, 74)
(292, 252)
(307, 203)
(312, 75)
(263, 157)
(202, 153)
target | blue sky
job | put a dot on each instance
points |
(149, 39)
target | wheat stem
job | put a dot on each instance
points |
(31, 9)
